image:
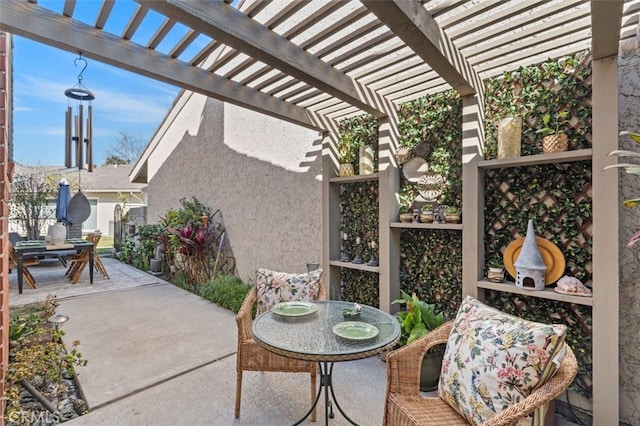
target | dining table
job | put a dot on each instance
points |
(322, 331)
(40, 247)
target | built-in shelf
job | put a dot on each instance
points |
(359, 266)
(531, 160)
(354, 178)
(419, 225)
(547, 293)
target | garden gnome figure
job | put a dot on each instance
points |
(530, 267)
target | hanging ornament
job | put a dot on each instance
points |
(79, 133)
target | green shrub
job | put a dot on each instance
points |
(227, 291)
(23, 326)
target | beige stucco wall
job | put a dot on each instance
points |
(262, 173)
(629, 119)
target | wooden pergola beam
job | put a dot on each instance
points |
(223, 22)
(28, 20)
(411, 22)
(606, 21)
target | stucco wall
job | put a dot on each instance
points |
(262, 173)
(629, 119)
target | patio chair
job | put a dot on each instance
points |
(251, 356)
(404, 405)
(80, 261)
(29, 261)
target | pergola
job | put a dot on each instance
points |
(315, 62)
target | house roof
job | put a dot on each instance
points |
(313, 62)
(112, 178)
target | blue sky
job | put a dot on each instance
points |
(124, 101)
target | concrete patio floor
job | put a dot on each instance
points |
(159, 355)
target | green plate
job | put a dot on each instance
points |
(294, 309)
(355, 330)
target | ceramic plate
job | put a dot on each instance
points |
(551, 254)
(355, 330)
(294, 309)
(414, 169)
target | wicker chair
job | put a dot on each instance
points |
(252, 357)
(405, 406)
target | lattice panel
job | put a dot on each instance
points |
(431, 266)
(360, 286)
(534, 91)
(557, 198)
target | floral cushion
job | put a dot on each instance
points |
(275, 287)
(494, 360)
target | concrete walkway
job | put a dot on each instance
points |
(159, 355)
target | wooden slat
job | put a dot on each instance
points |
(103, 14)
(606, 17)
(69, 6)
(413, 25)
(223, 22)
(188, 38)
(135, 21)
(161, 33)
(47, 27)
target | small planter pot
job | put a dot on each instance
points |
(346, 169)
(495, 275)
(452, 217)
(427, 216)
(406, 217)
(555, 143)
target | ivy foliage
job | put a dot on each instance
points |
(432, 127)
(355, 132)
(557, 85)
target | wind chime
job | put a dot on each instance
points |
(78, 132)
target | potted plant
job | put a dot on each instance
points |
(346, 154)
(426, 214)
(554, 140)
(452, 214)
(495, 271)
(405, 201)
(416, 321)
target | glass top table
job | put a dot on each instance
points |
(310, 336)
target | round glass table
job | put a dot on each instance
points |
(318, 332)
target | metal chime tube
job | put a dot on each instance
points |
(67, 138)
(89, 139)
(79, 156)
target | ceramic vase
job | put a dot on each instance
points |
(57, 233)
(365, 165)
(509, 137)
(495, 275)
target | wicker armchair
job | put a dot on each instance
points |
(252, 357)
(405, 406)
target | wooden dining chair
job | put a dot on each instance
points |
(30, 261)
(78, 262)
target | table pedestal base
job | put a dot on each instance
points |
(326, 386)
